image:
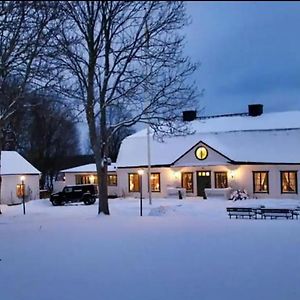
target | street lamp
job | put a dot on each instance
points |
(23, 192)
(141, 172)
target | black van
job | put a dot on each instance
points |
(86, 193)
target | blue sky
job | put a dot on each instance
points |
(249, 53)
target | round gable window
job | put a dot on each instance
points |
(201, 152)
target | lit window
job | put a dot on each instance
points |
(86, 179)
(20, 190)
(134, 183)
(187, 181)
(155, 182)
(289, 182)
(112, 180)
(201, 153)
(261, 182)
(204, 174)
(221, 180)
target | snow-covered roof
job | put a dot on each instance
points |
(12, 163)
(271, 137)
(89, 168)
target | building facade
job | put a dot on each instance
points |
(87, 174)
(256, 153)
(18, 176)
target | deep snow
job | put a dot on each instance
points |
(186, 249)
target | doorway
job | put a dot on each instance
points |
(203, 181)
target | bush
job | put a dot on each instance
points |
(239, 195)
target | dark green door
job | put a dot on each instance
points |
(203, 181)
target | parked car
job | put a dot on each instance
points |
(86, 193)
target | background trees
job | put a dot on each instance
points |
(120, 62)
(27, 29)
(126, 55)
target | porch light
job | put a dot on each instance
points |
(140, 172)
(176, 174)
(232, 174)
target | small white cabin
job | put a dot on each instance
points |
(14, 170)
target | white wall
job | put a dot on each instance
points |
(70, 179)
(9, 188)
(213, 158)
(242, 179)
(166, 179)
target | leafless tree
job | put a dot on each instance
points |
(127, 55)
(26, 32)
(46, 131)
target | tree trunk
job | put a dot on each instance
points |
(1, 127)
(102, 186)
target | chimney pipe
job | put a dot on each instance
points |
(255, 110)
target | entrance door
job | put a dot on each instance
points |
(203, 181)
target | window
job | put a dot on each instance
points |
(20, 190)
(261, 182)
(201, 153)
(187, 182)
(134, 182)
(86, 179)
(288, 182)
(112, 180)
(221, 180)
(155, 182)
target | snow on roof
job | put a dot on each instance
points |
(89, 168)
(13, 163)
(240, 138)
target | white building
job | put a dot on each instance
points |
(257, 153)
(13, 167)
(87, 174)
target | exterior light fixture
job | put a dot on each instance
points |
(232, 174)
(176, 174)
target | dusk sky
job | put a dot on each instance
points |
(250, 53)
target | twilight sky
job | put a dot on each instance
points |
(249, 53)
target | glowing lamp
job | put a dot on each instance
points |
(140, 172)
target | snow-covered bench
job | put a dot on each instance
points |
(275, 213)
(242, 212)
(224, 192)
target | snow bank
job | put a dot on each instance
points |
(163, 210)
(193, 252)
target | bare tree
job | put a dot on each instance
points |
(127, 55)
(45, 133)
(26, 31)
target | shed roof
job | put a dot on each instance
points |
(12, 163)
(89, 168)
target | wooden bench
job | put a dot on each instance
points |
(275, 213)
(242, 212)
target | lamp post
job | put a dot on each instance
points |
(141, 172)
(23, 193)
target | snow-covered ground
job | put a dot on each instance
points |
(180, 249)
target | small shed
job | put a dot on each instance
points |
(14, 169)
